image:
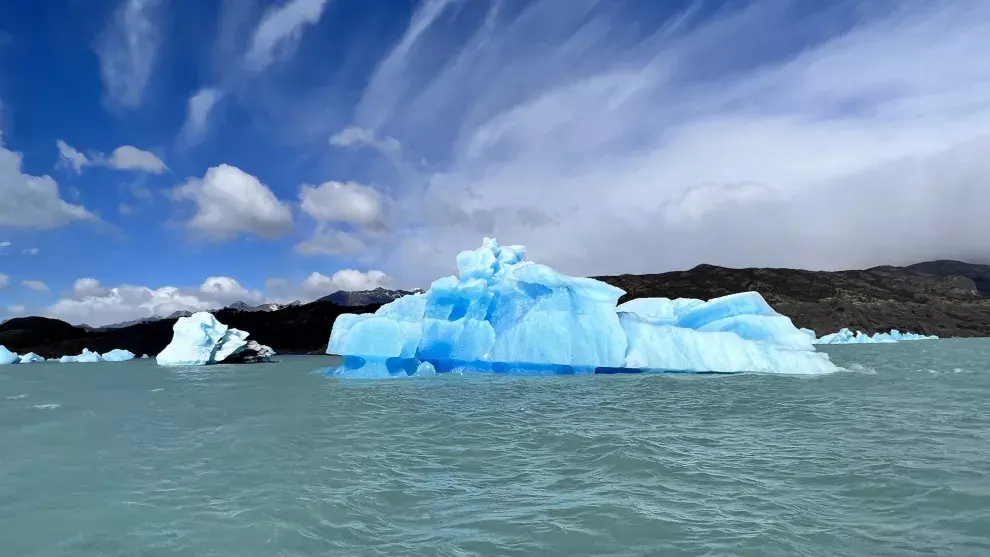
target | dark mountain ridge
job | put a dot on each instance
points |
(945, 298)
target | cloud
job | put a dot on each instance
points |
(4, 281)
(15, 310)
(328, 241)
(198, 111)
(837, 138)
(127, 157)
(31, 251)
(35, 285)
(230, 201)
(128, 49)
(356, 137)
(280, 29)
(70, 157)
(341, 202)
(317, 285)
(95, 304)
(4, 245)
(28, 201)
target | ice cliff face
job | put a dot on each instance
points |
(200, 339)
(504, 314)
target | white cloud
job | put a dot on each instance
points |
(92, 303)
(4, 280)
(608, 149)
(127, 157)
(128, 50)
(15, 310)
(31, 251)
(328, 241)
(4, 245)
(32, 201)
(70, 157)
(35, 285)
(125, 209)
(280, 30)
(354, 137)
(341, 202)
(230, 201)
(198, 112)
(317, 285)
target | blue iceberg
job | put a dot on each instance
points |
(504, 314)
(31, 358)
(845, 336)
(7, 357)
(86, 357)
(200, 339)
(118, 355)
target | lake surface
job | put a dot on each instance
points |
(128, 459)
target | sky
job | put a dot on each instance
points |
(161, 155)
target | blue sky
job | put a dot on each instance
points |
(197, 153)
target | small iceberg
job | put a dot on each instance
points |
(31, 358)
(118, 355)
(200, 339)
(7, 357)
(504, 314)
(845, 336)
(86, 357)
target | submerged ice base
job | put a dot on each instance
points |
(504, 314)
(845, 336)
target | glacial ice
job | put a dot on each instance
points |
(31, 358)
(504, 314)
(118, 355)
(86, 357)
(7, 357)
(200, 339)
(845, 336)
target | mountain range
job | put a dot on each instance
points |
(944, 298)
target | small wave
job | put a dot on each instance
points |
(46, 406)
(858, 368)
(16, 397)
(158, 390)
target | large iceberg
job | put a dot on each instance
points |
(200, 339)
(31, 358)
(7, 357)
(504, 314)
(845, 336)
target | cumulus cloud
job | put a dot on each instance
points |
(230, 201)
(35, 285)
(125, 157)
(28, 201)
(329, 241)
(615, 142)
(4, 281)
(341, 202)
(280, 29)
(93, 303)
(128, 49)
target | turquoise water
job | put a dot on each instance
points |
(892, 458)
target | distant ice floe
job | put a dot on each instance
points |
(845, 336)
(200, 339)
(504, 314)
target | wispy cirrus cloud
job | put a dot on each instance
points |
(611, 140)
(128, 50)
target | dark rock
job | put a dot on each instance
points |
(366, 297)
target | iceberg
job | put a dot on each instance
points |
(8, 357)
(31, 358)
(845, 336)
(504, 314)
(118, 355)
(86, 357)
(200, 339)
